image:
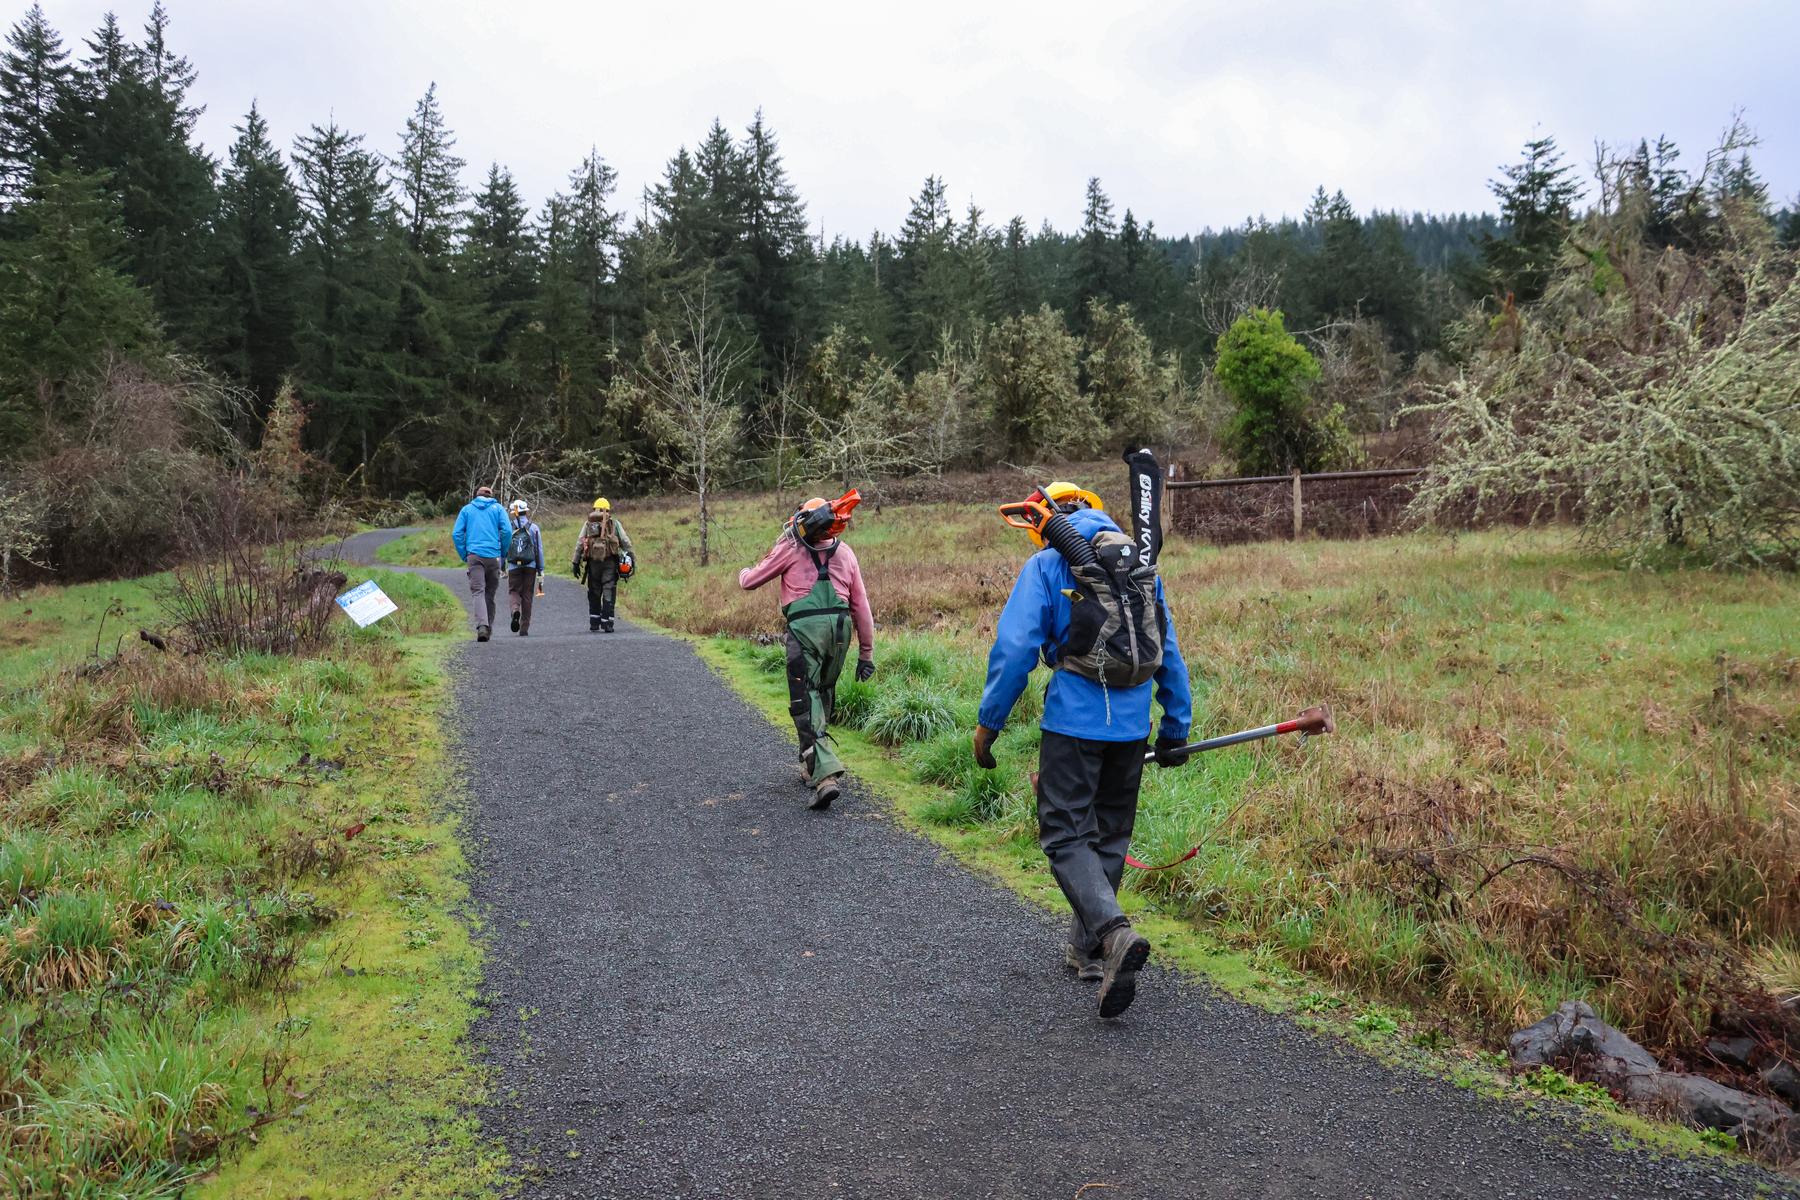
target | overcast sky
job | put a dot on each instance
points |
(1192, 114)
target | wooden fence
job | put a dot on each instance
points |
(1331, 504)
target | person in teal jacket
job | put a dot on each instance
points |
(481, 535)
(1091, 758)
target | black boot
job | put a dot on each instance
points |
(593, 624)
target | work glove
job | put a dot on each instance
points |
(1169, 752)
(984, 747)
(865, 667)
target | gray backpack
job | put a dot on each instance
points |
(1115, 623)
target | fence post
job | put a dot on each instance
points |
(1296, 504)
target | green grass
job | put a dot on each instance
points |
(208, 984)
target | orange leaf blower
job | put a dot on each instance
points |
(820, 520)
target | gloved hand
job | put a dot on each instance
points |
(865, 667)
(1169, 752)
(984, 747)
(575, 568)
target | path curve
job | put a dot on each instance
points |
(698, 988)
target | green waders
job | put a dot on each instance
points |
(818, 644)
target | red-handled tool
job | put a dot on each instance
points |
(1312, 722)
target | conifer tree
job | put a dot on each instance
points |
(923, 279)
(1537, 204)
(427, 346)
(722, 217)
(258, 287)
(1014, 288)
(577, 295)
(427, 181)
(499, 259)
(776, 249)
(135, 124)
(1097, 262)
(349, 290)
(35, 77)
(63, 306)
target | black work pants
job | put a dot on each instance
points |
(603, 587)
(1087, 803)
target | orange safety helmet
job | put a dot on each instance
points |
(820, 520)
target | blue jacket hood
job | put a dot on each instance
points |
(482, 529)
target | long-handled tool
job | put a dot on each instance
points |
(1312, 722)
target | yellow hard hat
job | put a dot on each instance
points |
(1064, 492)
(602, 502)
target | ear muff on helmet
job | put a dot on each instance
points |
(1068, 497)
(820, 519)
(813, 519)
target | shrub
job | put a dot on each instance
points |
(909, 715)
(1277, 426)
(944, 761)
(855, 703)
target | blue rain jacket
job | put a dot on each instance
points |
(1036, 620)
(482, 529)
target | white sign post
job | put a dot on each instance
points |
(366, 603)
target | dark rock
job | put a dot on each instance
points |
(1699, 1101)
(1784, 1081)
(1574, 1032)
(1731, 1052)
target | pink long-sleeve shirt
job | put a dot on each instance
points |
(790, 563)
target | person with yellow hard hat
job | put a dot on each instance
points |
(1090, 605)
(602, 554)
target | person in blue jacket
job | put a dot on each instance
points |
(481, 536)
(1091, 759)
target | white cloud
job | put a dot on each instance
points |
(1192, 114)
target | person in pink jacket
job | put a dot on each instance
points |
(822, 599)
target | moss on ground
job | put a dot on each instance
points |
(234, 959)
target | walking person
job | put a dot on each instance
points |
(602, 553)
(524, 563)
(1096, 718)
(481, 537)
(822, 599)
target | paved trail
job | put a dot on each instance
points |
(698, 988)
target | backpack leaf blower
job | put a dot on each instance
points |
(820, 520)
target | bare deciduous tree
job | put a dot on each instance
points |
(690, 383)
(511, 466)
(21, 533)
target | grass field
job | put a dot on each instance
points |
(1553, 778)
(229, 964)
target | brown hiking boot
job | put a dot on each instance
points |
(1123, 953)
(827, 790)
(1086, 969)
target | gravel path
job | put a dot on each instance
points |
(698, 988)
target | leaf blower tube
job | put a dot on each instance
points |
(1037, 514)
